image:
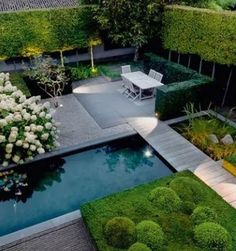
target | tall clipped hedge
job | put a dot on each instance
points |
(209, 34)
(28, 33)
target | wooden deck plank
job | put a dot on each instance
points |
(182, 155)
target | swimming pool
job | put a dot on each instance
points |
(79, 178)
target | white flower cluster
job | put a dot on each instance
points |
(26, 126)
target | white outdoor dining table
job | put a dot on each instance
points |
(142, 81)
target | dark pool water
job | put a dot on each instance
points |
(82, 177)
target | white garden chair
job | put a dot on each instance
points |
(156, 75)
(133, 91)
(125, 69)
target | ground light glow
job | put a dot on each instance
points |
(148, 153)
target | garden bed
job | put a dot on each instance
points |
(212, 133)
(175, 220)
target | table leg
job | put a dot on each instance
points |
(140, 94)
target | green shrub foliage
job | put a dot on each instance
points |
(172, 72)
(30, 33)
(181, 86)
(209, 34)
(188, 207)
(188, 189)
(165, 199)
(150, 233)
(212, 236)
(203, 214)
(138, 246)
(120, 232)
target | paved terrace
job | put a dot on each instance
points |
(16, 5)
(109, 108)
(97, 110)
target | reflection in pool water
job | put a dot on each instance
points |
(63, 184)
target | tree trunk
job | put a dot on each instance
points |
(62, 58)
(200, 66)
(77, 55)
(213, 70)
(189, 60)
(178, 58)
(227, 87)
(91, 57)
(169, 57)
(136, 54)
(14, 63)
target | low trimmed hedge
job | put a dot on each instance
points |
(176, 226)
(18, 80)
(151, 234)
(212, 236)
(139, 247)
(181, 86)
(120, 232)
(165, 199)
(188, 189)
(203, 214)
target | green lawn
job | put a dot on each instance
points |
(134, 204)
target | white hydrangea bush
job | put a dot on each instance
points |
(26, 126)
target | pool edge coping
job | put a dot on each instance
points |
(73, 148)
(38, 228)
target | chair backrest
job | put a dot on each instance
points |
(152, 73)
(129, 84)
(156, 75)
(125, 69)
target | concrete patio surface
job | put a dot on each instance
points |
(105, 103)
(77, 126)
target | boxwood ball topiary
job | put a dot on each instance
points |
(212, 236)
(188, 207)
(203, 214)
(188, 189)
(120, 232)
(165, 199)
(150, 233)
(138, 246)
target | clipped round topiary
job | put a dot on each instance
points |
(150, 233)
(165, 199)
(120, 232)
(203, 214)
(212, 236)
(188, 207)
(188, 189)
(138, 246)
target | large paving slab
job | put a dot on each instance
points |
(77, 126)
(105, 103)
